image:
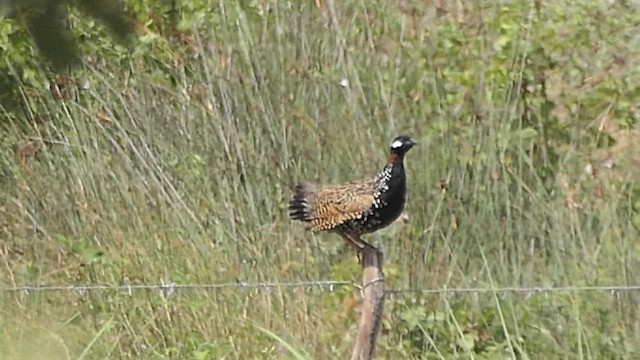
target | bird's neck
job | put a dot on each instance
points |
(392, 175)
(395, 159)
(394, 168)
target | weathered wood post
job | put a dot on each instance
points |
(373, 303)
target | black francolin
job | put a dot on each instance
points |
(356, 208)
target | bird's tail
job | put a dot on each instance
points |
(300, 207)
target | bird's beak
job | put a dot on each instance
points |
(412, 142)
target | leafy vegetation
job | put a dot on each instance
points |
(172, 163)
(45, 22)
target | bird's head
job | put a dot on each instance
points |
(401, 144)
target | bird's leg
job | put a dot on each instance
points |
(357, 243)
(365, 246)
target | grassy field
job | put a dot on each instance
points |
(174, 165)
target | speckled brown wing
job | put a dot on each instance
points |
(333, 205)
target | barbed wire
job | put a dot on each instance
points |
(172, 287)
(521, 290)
(329, 285)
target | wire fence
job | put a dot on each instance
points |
(325, 285)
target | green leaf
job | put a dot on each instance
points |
(526, 134)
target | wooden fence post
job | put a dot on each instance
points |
(373, 304)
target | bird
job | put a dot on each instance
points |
(358, 207)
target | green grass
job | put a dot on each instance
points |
(175, 167)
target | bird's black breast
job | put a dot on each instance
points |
(389, 199)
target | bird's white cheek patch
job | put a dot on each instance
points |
(396, 144)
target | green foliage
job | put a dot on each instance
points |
(172, 163)
(44, 25)
(528, 327)
(297, 354)
(45, 21)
